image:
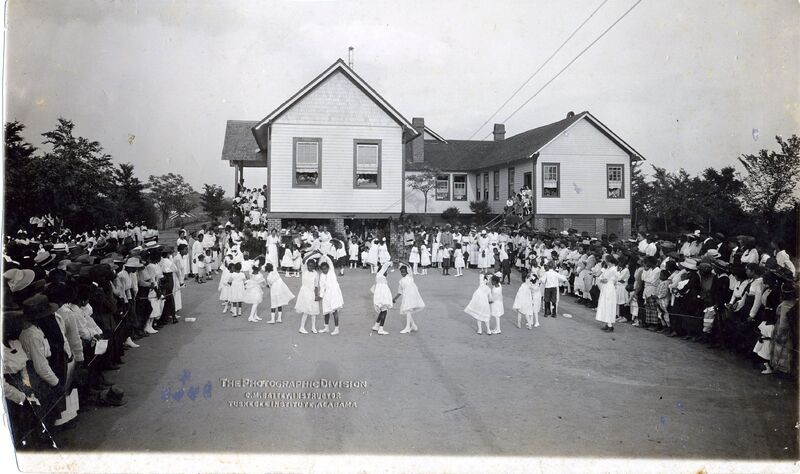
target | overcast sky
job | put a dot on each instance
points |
(683, 82)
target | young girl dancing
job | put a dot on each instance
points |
(528, 302)
(307, 304)
(330, 294)
(496, 305)
(236, 283)
(287, 262)
(381, 298)
(279, 294)
(254, 291)
(479, 306)
(412, 301)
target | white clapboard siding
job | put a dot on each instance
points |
(415, 202)
(337, 101)
(337, 112)
(336, 195)
(520, 169)
(583, 153)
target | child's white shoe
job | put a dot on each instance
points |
(382, 332)
(303, 331)
(405, 330)
(324, 329)
(376, 327)
(335, 331)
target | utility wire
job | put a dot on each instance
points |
(537, 71)
(569, 63)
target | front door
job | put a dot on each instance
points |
(527, 180)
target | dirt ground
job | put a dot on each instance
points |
(563, 389)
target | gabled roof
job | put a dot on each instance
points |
(338, 66)
(239, 143)
(470, 155)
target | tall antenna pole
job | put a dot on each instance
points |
(350, 56)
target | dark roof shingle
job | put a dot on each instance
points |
(469, 155)
(240, 145)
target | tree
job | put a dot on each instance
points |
(131, 203)
(424, 182)
(74, 180)
(772, 180)
(481, 209)
(451, 214)
(213, 201)
(640, 195)
(18, 156)
(170, 192)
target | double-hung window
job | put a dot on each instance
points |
(443, 187)
(485, 186)
(615, 182)
(366, 164)
(307, 161)
(551, 180)
(459, 187)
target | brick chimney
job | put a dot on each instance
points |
(499, 132)
(418, 143)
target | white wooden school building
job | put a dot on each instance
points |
(337, 150)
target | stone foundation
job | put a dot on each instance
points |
(600, 227)
(626, 229)
(338, 225)
(539, 223)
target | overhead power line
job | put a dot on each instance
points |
(539, 69)
(569, 64)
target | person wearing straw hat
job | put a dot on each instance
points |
(43, 342)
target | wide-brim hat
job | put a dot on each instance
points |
(689, 264)
(85, 258)
(19, 279)
(133, 262)
(151, 245)
(62, 265)
(37, 307)
(74, 268)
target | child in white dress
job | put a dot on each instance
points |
(254, 291)
(413, 259)
(330, 294)
(236, 283)
(496, 305)
(279, 294)
(424, 259)
(352, 251)
(372, 257)
(307, 303)
(527, 304)
(458, 260)
(412, 301)
(381, 299)
(287, 262)
(479, 306)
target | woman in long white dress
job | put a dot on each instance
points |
(372, 256)
(412, 301)
(279, 294)
(307, 303)
(621, 287)
(472, 249)
(381, 298)
(330, 294)
(607, 302)
(272, 248)
(484, 253)
(184, 257)
(479, 306)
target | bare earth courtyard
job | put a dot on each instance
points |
(563, 389)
